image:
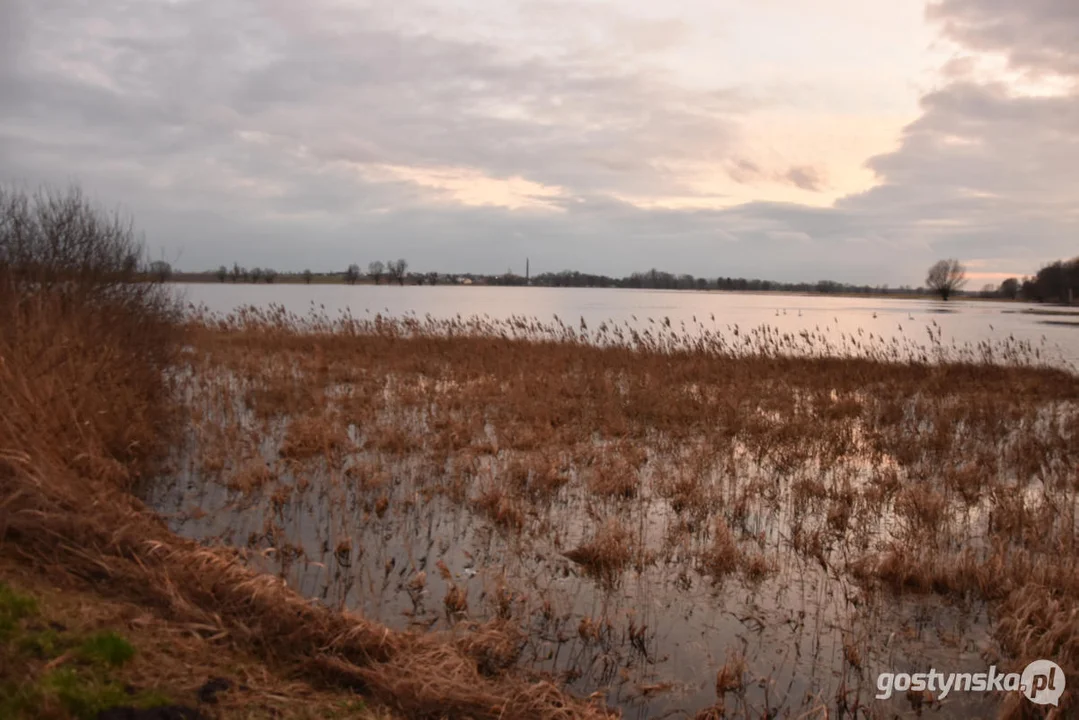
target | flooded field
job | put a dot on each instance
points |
(674, 528)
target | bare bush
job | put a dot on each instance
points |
(85, 334)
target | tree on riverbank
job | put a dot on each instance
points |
(397, 269)
(1057, 282)
(376, 269)
(945, 277)
(161, 270)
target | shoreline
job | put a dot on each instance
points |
(182, 279)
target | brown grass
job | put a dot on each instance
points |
(528, 433)
(311, 435)
(722, 556)
(828, 449)
(607, 553)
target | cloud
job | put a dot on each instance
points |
(745, 171)
(161, 78)
(1036, 35)
(275, 133)
(805, 177)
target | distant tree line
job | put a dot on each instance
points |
(659, 280)
(394, 270)
(1057, 282)
(242, 274)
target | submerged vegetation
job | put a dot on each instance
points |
(648, 512)
(508, 518)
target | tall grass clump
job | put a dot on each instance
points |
(85, 342)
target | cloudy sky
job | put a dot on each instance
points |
(854, 140)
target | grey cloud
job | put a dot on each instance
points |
(366, 94)
(978, 139)
(806, 177)
(244, 130)
(1038, 35)
(744, 171)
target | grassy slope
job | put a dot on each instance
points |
(69, 650)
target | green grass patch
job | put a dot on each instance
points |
(349, 708)
(85, 681)
(85, 692)
(107, 648)
(14, 607)
(42, 644)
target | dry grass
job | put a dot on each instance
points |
(731, 677)
(309, 436)
(607, 553)
(723, 556)
(902, 476)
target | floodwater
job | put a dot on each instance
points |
(661, 629)
(387, 535)
(1053, 332)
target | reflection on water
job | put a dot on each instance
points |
(959, 321)
(670, 532)
(396, 536)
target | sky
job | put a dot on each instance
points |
(852, 140)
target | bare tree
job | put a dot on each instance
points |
(352, 274)
(256, 274)
(397, 270)
(222, 273)
(432, 278)
(58, 241)
(129, 265)
(376, 270)
(1009, 289)
(945, 277)
(237, 272)
(71, 295)
(269, 274)
(160, 270)
(307, 276)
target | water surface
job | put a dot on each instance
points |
(1053, 332)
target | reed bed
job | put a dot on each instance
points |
(732, 523)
